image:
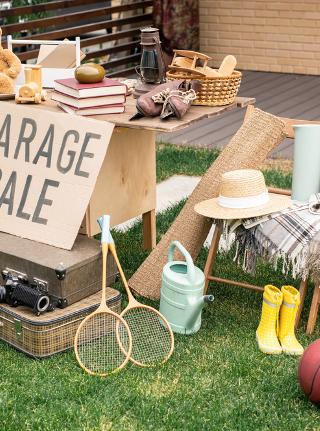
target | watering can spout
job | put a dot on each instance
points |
(197, 308)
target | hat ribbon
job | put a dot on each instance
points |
(244, 202)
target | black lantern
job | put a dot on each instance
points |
(152, 65)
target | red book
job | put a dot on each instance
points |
(94, 110)
(87, 102)
(106, 87)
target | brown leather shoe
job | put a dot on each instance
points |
(146, 107)
(176, 105)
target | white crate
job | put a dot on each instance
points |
(48, 74)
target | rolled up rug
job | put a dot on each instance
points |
(255, 139)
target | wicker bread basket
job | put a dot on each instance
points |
(215, 90)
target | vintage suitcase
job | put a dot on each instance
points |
(40, 264)
(51, 332)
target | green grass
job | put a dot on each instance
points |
(183, 160)
(216, 379)
(195, 161)
(276, 178)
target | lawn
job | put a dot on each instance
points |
(216, 379)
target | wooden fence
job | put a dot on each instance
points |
(56, 20)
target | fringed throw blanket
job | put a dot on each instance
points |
(286, 234)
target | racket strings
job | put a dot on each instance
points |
(151, 338)
(99, 341)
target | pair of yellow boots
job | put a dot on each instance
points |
(284, 303)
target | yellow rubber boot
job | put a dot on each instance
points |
(268, 329)
(288, 312)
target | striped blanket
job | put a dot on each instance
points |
(285, 234)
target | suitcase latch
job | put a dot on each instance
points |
(18, 328)
(41, 284)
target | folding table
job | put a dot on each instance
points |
(126, 185)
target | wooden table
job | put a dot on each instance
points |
(126, 184)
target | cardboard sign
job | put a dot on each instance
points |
(49, 164)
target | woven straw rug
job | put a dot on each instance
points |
(255, 139)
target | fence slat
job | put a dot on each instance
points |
(121, 61)
(75, 31)
(88, 42)
(63, 4)
(69, 18)
(118, 48)
(123, 72)
(73, 23)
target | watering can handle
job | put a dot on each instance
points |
(191, 273)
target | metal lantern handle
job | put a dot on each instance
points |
(138, 71)
(160, 59)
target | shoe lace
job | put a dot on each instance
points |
(164, 96)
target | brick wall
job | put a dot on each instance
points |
(273, 36)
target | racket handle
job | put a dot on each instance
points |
(110, 241)
(104, 223)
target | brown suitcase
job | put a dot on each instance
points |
(50, 333)
(38, 263)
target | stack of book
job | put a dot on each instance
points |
(105, 97)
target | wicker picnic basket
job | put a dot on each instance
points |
(215, 90)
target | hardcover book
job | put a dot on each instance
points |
(94, 110)
(106, 87)
(87, 102)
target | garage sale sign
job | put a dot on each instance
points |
(49, 164)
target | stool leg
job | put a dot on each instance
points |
(303, 291)
(314, 309)
(249, 111)
(211, 256)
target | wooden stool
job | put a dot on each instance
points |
(303, 285)
(314, 305)
(216, 238)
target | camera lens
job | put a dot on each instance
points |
(43, 303)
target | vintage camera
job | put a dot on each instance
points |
(15, 293)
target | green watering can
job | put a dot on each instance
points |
(182, 297)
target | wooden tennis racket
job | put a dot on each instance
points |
(103, 341)
(152, 336)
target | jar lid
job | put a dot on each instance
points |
(149, 30)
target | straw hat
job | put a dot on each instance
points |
(243, 194)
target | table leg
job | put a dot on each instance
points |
(149, 229)
(249, 111)
(314, 309)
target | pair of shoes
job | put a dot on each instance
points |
(169, 99)
(284, 303)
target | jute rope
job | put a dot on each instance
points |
(255, 139)
(165, 95)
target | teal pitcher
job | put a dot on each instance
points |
(182, 297)
(306, 159)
